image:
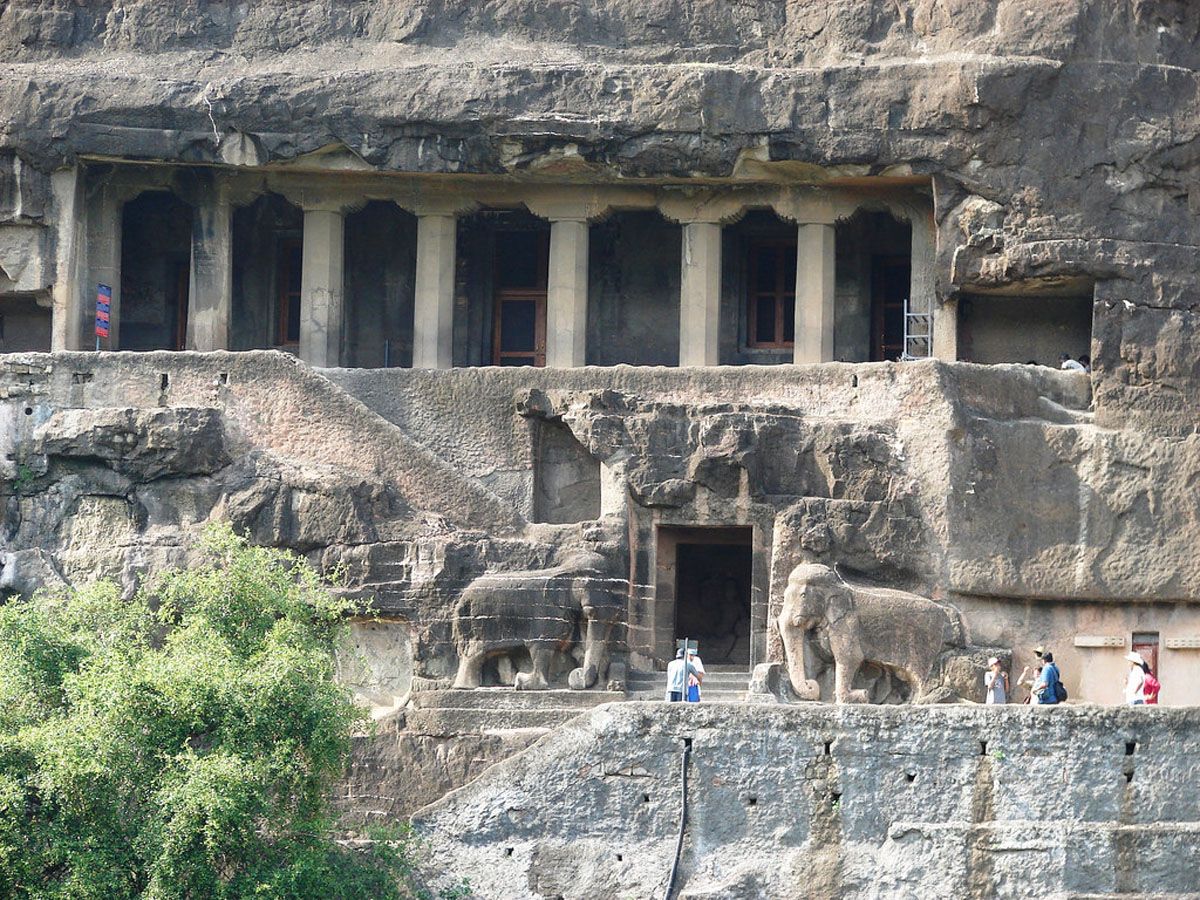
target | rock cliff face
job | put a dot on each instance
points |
(824, 802)
(1060, 145)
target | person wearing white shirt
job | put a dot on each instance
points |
(1135, 683)
(679, 671)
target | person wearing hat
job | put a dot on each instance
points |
(678, 671)
(1045, 689)
(995, 682)
(1135, 683)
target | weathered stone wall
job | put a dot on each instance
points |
(827, 802)
(986, 487)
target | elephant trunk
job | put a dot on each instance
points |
(793, 637)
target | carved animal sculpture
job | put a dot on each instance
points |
(542, 611)
(895, 629)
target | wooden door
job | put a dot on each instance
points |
(890, 281)
(288, 277)
(1146, 643)
(519, 301)
(182, 277)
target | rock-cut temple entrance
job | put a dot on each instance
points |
(713, 571)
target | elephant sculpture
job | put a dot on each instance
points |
(895, 630)
(544, 611)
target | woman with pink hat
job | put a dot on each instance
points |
(995, 682)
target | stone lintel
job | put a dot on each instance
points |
(720, 207)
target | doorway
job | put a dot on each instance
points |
(890, 284)
(156, 250)
(707, 574)
(521, 274)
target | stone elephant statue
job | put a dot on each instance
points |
(905, 633)
(544, 611)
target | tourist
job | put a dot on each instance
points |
(1071, 365)
(678, 671)
(1135, 682)
(1029, 682)
(995, 682)
(1046, 688)
(1086, 362)
(1150, 686)
(695, 677)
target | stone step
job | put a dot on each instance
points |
(505, 698)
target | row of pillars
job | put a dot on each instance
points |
(322, 292)
(567, 293)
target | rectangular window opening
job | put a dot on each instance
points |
(771, 293)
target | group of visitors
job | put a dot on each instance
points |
(1083, 364)
(1066, 361)
(1046, 687)
(685, 674)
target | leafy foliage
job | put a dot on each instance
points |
(182, 744)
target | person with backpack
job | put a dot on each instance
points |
(1135, 682)
(1049, 689)
(1150, 686)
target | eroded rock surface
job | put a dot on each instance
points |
(822, 801)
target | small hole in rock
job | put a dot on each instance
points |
(828, 747)
(29, 410)
(687, 742)
(753, 801)
(836, 796)
(1128, 777)
(983, 748)
(853, 381)
(508, 851)
(645, 798)
(620, 858)
(1130, 746)
(164, 381)
(911, 776)
(223, 378)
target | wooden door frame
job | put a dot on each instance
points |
(182, 290)
(539, 327)
(538, 294)
(753, 292)
(282, 308)
(879, 263)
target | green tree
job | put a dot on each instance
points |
(183, 744)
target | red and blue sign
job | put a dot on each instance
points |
(103, 308)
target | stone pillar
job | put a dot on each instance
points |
(566, 301)
(104, 214)
(70, 266)
(922, 293)
(700, 295)
(321, 290)
(815, 263)
(210, 291)
(433, 325)
(945, 330)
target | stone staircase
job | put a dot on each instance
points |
(497, 709)
(722, 684)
